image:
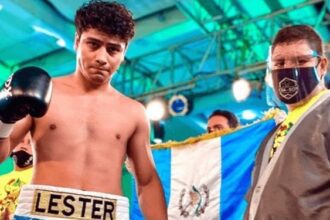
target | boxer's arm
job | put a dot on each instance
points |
(150, 191)
(19, 130)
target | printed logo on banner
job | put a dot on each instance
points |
(194, 201)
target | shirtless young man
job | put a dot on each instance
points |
(89, 128)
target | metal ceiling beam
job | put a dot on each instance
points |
(4, 64)
(162, 89)
(191, 83)
(146, 72)
(188, 62)
(214, 10)
(158, 21)
(321, 15)
(237, 71)
(274, 5)
(211, 8)
(277, 12)
(207, 53)
(130, 71)
(243, 23)
(186, 11)
(238, 5)
(245, 54)
(212, 44)
(38, 58)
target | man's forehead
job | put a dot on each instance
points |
(101, 36)
(108, 41)
(217, 119)
(294, 49)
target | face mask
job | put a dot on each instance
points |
(294, 84)
(22, 158)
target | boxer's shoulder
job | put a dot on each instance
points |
(125, 101)
(63, 83)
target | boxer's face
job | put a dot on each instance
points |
(98, 55)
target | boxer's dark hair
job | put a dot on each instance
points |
(111, 18)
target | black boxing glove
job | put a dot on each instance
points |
(27, 91)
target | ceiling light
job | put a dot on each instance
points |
(249, 114)
(241, 89)
(60, 42)
(1, 7)
(44, 31)
(156, 109)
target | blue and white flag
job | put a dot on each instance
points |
(208, 179)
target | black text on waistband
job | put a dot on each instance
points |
(66, 205)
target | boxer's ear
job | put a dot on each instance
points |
(124, 54)
(76, 41)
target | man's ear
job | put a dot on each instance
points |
(123, 57)
(324, 66)
(122, 60)
(76, 41)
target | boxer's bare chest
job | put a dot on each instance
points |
(88, 120)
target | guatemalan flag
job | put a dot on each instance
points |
(209, 177)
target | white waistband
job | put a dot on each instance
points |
(52, 202)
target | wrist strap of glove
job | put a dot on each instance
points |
(5, 129)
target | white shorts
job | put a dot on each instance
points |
(49, 202)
